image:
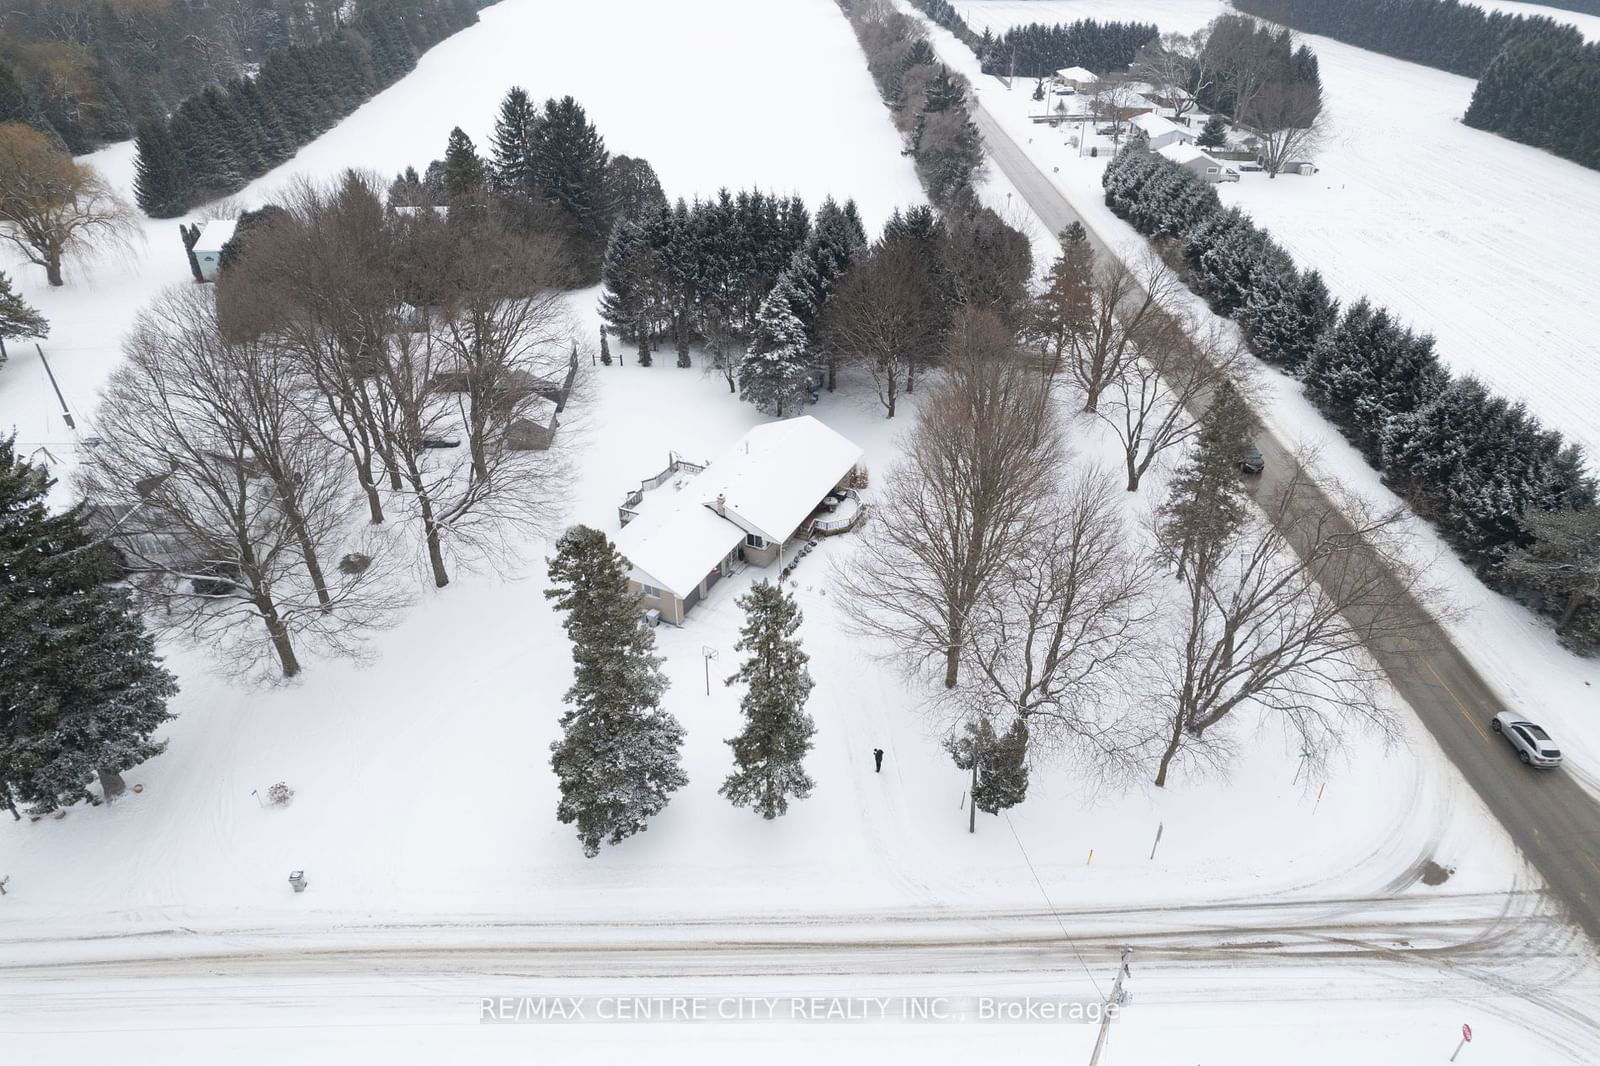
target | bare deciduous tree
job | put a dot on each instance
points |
(1279, 617)
(1159, 394)
(1127, 307)
(1175, 66)
(51, 205)
(1069, 615)
(1287, 116)
(881, 314)
(227, 499)
(979, 469)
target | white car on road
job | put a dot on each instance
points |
(1531, 743)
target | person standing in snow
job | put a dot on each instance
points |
(877, 758)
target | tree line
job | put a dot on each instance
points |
(1385, 388)
(546, 171)
(85, 72)
(1537, 78)
(221, 138)
(1038, 50)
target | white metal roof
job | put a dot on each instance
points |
(675, 547)
(1183, 153)
(1156, 125)
(774, 477)
(213, 235)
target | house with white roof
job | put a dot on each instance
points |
(1160, 131)
(1191, 158)
(1080, 79)
(208, 247)
(745, 506)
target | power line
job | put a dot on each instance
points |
(1053, 912)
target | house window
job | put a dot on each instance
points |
(1211, 170)
(754, 540)
(653, 592)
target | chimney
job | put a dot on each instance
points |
(722, 504)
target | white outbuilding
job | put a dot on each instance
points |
(1161, 131)
(1191, 158)
(208, 249)
(1080, 79)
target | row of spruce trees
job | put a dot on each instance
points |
(1381, 383)
(1539, 82)
(217, 141)
(81, 689)
(1038, 50)
(87, 72)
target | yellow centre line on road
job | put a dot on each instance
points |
(1469, 716)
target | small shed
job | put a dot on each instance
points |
(1080, 79)
(1161, 131)
(208, 247)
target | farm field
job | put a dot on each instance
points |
(1484, 243)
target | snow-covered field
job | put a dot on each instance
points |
(424, 803)
(1485, 243)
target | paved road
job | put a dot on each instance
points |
(1550, 817)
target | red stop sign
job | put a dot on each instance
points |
(1466, 1033)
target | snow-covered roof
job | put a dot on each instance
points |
(774, 477)
(675, 548)
(213, 235)
(1077, 74)
(1157, 126)
(1183, 153)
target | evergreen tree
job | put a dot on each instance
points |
(1064, 309)
(619, 758)
(161, 179)
(770, 751)
(1206, 504)
(944, 92)
(17, 317)
(569, 167)
(82, 691)
(1214, 134)
(776, 374)
(605, 350)
(623, 304)
(1560, 564)
(836, 241)
(998, 764)
(512, 144)
(1367, 370)
(633, 188)
(464, 171)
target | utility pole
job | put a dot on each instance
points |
(65, 414)
(1113, 1002)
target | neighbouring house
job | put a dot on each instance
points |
(535, 431)
(207, 249)
(1161, 132)
(1078, 79)
(1191, 158)
(747, 505)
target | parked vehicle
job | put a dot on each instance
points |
(1252, 461)
(1531, 743)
